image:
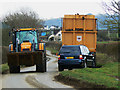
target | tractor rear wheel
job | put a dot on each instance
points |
(14, 69)
(44, 62)
(42, 66)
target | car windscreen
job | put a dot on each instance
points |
(70, 51)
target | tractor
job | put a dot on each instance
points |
(25, 50)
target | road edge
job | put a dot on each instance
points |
(77, 83)
(30, 79)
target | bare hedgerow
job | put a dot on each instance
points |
(23, 19)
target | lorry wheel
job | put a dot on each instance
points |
(14, 69)
(60, 68)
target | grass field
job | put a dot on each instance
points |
(104, 42)
(102, 58)
(107, 75)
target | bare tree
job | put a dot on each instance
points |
(22, 19)
(112, 9)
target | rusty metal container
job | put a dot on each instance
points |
(79, 23)
(80, 30)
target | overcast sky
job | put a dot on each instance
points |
(48, 9)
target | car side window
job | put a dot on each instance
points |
(84, 50)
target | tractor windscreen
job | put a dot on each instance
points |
(26, 36)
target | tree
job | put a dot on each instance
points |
(112, 9)
(23, 19)
(108, 22)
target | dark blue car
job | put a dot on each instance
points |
(71, 56)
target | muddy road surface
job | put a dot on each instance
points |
(28, 78)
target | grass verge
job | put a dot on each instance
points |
(5, 68)
(105, 77)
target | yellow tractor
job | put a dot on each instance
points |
(25, 50)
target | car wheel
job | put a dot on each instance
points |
(85, 64)
(93, 63)
(60, 68)
(70, 68)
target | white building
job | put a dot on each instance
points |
(57, 37)
(46, 28)
(52, 27)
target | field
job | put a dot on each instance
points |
(109, 50)
(107, 42)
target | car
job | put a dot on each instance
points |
(72, 56)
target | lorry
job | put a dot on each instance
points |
(26, 50)
(78, 30)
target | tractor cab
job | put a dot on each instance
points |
(25, 39)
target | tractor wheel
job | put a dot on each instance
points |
(41, 67)
(45, 62)
(14, 69)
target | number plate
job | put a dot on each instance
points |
(69, 57)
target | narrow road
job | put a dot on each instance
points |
(28, 78)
